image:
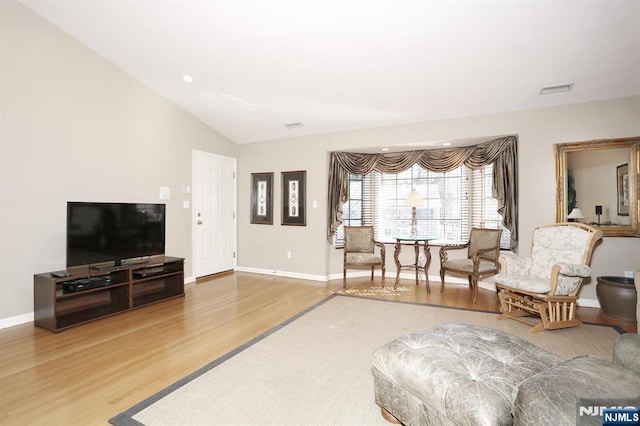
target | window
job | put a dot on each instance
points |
(454, 202)
(357, 210)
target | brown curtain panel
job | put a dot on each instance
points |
(502, 153)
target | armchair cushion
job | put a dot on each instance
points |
(512, 264)
(529, 283)
(566, 285)
(568, 279)
(466, 265)
(555, 244)
(360, 240)
(363, 258)
(574, 269)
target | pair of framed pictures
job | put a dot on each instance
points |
(293, 198)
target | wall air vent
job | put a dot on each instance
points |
(556, 89)
(296, 125)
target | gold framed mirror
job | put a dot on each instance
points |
(597, 183)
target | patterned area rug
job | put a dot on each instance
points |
(375, 291)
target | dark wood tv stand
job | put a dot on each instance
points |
(124, 288)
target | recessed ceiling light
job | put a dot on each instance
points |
(385, 149)
(187, 78)
(446, 143)
(295, 125)
(556, 89)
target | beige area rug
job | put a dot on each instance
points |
(315, 369)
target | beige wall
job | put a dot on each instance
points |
(265, 247)
(75, 127)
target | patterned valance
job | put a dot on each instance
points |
(502, 153)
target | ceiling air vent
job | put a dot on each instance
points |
(556, 89)
(296, 125)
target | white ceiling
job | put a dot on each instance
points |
(346, 64)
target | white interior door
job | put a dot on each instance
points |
(214, 217)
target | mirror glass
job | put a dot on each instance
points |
(597, 184)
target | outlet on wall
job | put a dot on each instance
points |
(288, 255)
(628, 274)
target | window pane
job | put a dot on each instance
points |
(355, 189)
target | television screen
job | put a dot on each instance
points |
(113, 232)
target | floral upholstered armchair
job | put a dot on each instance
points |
(359, 251)
(547, 283)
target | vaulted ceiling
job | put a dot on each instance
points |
(335, 65)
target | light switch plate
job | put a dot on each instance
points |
(165, 193)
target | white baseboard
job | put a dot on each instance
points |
(589, 303)
(17, 320)
(322, 278)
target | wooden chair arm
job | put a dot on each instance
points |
(443, 250)
(382, 249)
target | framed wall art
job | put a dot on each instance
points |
(262, 198)
(294, 198)
(623, 189)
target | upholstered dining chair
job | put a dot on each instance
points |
(483, 249)
(359, 251)
(547, 283)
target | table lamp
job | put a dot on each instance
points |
(414, 200)
(575, 214)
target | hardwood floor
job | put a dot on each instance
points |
(90, 373)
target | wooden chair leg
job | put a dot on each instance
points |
(474, 289)
(441, 280)
(344, 278)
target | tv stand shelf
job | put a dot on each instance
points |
(129, 287)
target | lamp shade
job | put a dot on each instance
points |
(575, 214)
(413, 200)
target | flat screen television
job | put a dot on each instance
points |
(113, 232)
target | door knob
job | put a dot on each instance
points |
(199, 222)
